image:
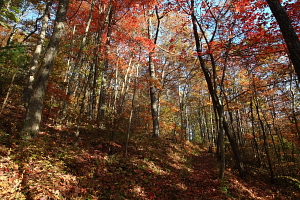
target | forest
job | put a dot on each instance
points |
(157, 99)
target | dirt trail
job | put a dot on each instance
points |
(203, 183)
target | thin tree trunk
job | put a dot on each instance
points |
(103, 87)
(124, 87)
(277, 153)
(254, 136)
(222, 149)
(82, 105)
(131, 111)
(215, 99)
(153, 100)
(93, 92)
(8, 92)
(293, 107)
(266, 146)
(71, 88)
(11, 35)
(153, 94)
(35, 107)
(182, 121)
(14, 27)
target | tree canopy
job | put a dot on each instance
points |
(223, 74)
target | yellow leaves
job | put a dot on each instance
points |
(156, 83)
(10, 179)
(174, 109)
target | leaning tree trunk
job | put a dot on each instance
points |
(36, 54)
(34, 112)
(265, 143)
(288, 32)
(215, 99)
(8, 92)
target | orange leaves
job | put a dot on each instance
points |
(10, 179)
(241, 6)
(147, 43)
(156, 83)
(171, 47)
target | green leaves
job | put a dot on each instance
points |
(8, 15)
(12, 60)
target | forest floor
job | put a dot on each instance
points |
(58, 165)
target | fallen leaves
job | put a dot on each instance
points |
(10, 179)
(53, 167)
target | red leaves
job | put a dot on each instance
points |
(172, 40)
(147, 43)
(57, 93)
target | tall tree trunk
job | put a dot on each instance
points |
(215, 99)
(35, 107)
(222, 149)
(181, 110)
(153, 99)
(71, 87)
(266, 145)
(84, 91)
(93, 91)
(263, 129)
(153, 93)
(294, 116)
(288, 32)
(37, 54)
(257, 151)
(132, 110)
(103, 87)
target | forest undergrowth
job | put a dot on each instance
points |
(58, 165)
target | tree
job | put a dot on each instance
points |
(289, 34)
(218, 106)
(8, 12)
(37, 52)
(35, 107)
(153, 93)
(132, 65)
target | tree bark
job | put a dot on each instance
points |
(154, 101)
(132, 110)
(257, 151)
(288, 32)
(37, 54)
(215, 99)
(265, 144)
(102, 104)
(34, 112)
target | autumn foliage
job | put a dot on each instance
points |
(210, 76)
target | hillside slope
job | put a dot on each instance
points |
(57, 165)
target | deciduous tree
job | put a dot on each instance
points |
(35, 107)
